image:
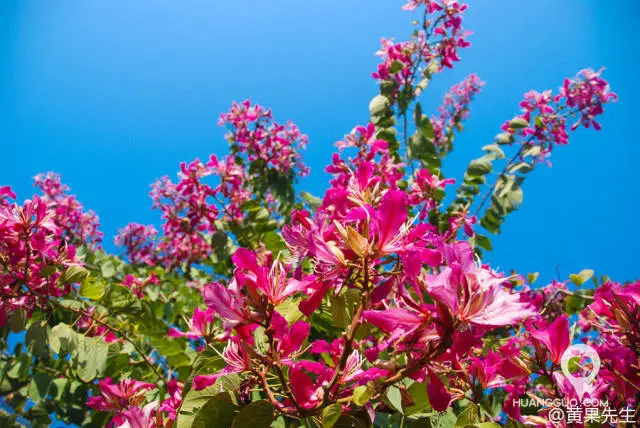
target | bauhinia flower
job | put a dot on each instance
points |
(237, 361)
(472, 293)
(200, 325)
(273, 283)
(118, 396)
(551, 338)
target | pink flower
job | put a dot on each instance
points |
(289, 339)
(237, 362)
(135, 417)
(273, 283)
(227, 303)
(118, 396)
(200, 325)
(306, 393)
(439, 396)
(389, 219)
(172, 404)
(77, 225)
(138, 243)
(554, 337)
(399, 322)
(474, 294)
(6, 192)
(454, 110)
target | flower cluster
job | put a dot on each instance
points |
(124, 400)
(360, 229)
(253, 131)
(370, 304)
(33, 255)
(77, 225)
(454, 109)
(261, 149)
(438, 43)
(189, 213)
(137, 285)
(542, 125)
(138, 243)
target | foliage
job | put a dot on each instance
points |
(257, 305)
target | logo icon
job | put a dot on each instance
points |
(581, 384)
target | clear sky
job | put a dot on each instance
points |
(114, 94)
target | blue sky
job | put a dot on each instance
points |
(114, 94)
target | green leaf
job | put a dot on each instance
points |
(516, 196)
(279, 422)
(505, 138)
(37, 338)
(488, 425)
(395, 398)
(92, 288)
(523, 167)
(330, 415)
(339, 311)
(483, 242)
(574, 304)
(258, 414)
(63, 340)
(92, 357)
(495, 150)
(47, 271)
(121, 298)
(480, 166)
(206, 408)
(74, 275)
(532, 277)
(378, 105)
(395, 67)
(362, 394)
(39, 386)
(108, 269)
(353, 420)
(17, 320)
(531, 150)
(426, 128)
(446, 419)
(261, 340)
(421, 86)
(20, 368)
(582, 277)
(417, 114)
(167, 346)
(289, 309)
(420, 398)
(312, 200)
(469, 416)
(518, 123)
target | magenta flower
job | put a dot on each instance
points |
(138, 243)
(77, 225)
(474, 294)
(199, 327)
(439, 396)
(227, 303)
(237, 362)
(135, 417)
(172, 404)
(305, 391)
(289, 339)
(401, 323)
(118, 396)
(273, 283)
(552, 338)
